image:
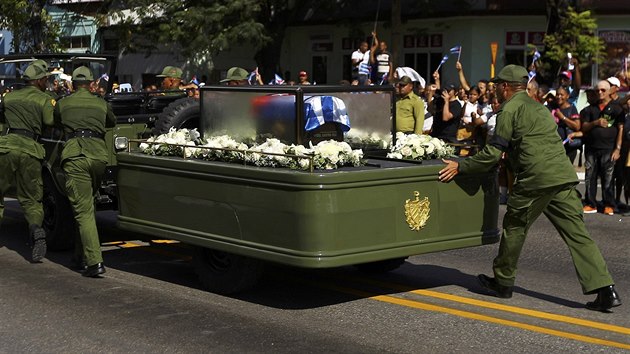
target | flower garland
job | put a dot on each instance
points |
(272, 153)
(357, 137)
(419, 147)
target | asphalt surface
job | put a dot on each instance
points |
(151, 301)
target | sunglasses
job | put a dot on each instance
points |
(602, 90)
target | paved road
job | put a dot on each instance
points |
(151, 301)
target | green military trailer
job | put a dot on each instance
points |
(239, 215)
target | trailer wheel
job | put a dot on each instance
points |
(183, 113)
(226, 273)
(381, 266)
(59, 220)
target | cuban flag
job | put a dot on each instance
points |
(364, 68)
(535, 57)
(444, 59)
(277, 80)
(531, 75)
(251, 78)
(456, 49)
(322, 109)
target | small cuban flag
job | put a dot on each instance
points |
(535, 57)
(531, 75)
(456, 49)
(277, 80)
(251, 78)
(444, 59)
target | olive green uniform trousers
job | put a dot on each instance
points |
(25, 173)
(562, 206)
(83, 177)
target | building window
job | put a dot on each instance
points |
(423, 53)
(76, 42)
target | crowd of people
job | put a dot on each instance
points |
(599, 133)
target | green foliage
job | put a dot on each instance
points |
(32, 28)
(576, 36)
(199, 28)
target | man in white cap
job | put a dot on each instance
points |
(614, 89)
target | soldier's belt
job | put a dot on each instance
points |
(84, 133)
(23, 132)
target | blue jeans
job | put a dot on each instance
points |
(598, 163)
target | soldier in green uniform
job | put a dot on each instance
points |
(84, 117)
(409, 108)
(545, 184)
(23, 112)
(172, 80)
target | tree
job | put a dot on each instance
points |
(201, 29)
(575, 34)
(32, 28)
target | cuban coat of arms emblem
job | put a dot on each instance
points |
(417, 211)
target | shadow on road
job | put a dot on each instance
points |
(281, 287)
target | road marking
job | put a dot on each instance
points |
(501, 307)
(164, 241)
(475, 316)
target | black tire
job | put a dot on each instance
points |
(381, 266)
(226, 273)
(183, 113)
(59, 220)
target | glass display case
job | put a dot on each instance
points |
(362, 116)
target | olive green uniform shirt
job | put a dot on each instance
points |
(529, 136)
(26, 109)
(410, 114)
(83, 110)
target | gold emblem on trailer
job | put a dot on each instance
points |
(417, 211)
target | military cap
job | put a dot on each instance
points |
(405, 80)
(41, 63)
(236, 74)
(82, 73)
(34, 72)
(171, 71)
(512, 73)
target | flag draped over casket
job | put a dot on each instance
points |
(322, 109)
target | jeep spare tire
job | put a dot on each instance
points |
(182, 113)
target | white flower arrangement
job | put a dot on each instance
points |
(272, 153)
(419, 147)
(221, 148)
(330, 154)
(357, 137)
(170, 143)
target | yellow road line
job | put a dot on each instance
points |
(128, 244)
(479, 317)
(506, 308)
(164, 241)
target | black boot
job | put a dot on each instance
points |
(38, 243)
(607, 298)
(498, 290)
(94, 271)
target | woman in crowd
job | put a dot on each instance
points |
(568, 120)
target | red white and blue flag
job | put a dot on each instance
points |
(277, 80)
(456, 49)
